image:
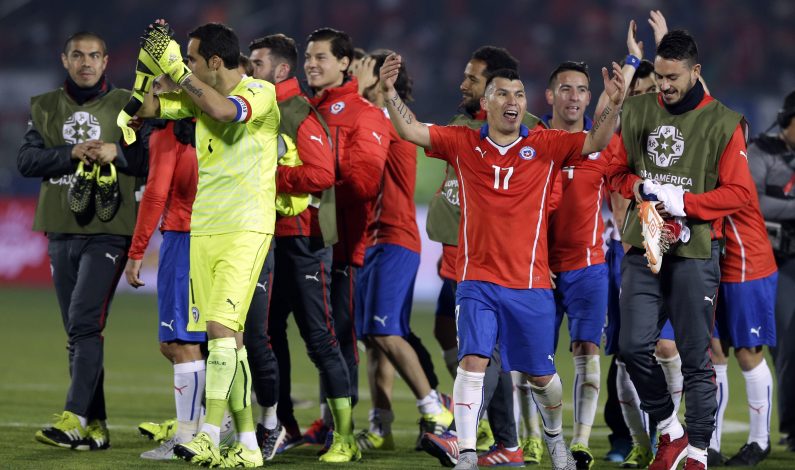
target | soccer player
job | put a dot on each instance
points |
(688, 141)
(71, 134)
(359, 136)
(170, 191)
(506, 174)
(233, 216)
(303, 260)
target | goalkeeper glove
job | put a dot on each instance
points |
(145, 72)
(159, 45)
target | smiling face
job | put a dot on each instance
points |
(506, 104)
(644, 85)
(85, 61)
(474, 85)
(569, 96)
(323, 70)
(675, 78)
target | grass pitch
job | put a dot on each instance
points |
(138, 385)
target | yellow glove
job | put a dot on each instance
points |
(165, 52)
(145, 72)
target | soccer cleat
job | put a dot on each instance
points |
(228, 434)
(669, 453)
(342, 449)
(82, 188)
(98, 435)
(749, 455)
(446, 401)
(240, 456)
(66, 432)
(443, 446)
(485, 437)
(638, 457)
(715, 458)
(107, 197)
(499, 456)
(693, 464)
(619, 449)
(559, 453)
(367, 440)
(270, 440)
(201, 450)
(468, 461)
(434, 424)
(651, 228)
(583, 456)
(159, 432)
(292, 439)
(533, 450)
(164, 452)
(316, 433)
(327, 445)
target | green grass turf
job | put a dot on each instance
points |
(138, 386)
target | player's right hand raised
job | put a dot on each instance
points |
(389, 72)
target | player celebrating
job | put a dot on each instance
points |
(506, 174)
(233, 215)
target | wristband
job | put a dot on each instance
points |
(632, 60)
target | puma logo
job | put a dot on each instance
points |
(169, 325)
(551, 358)
(317, 138)
(481, 152)
(468, 405)
(112, 258)
(711, 300)
(756, 331)
(381, 320)
(313, 277)
(377, 137)
(744, 155)
(554, 407)
(210, 145)
(263, 285)
(343, 271)
(758, 410)
(595, 387)
(180, 389)
(234, 305)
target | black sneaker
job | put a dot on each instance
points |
(715, 458)
(269, 440)
(749, 455)
(81, 190)
(107, 198)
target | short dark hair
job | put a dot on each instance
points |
(359, 53)
(645, 68)
(81, 35)
(218, 39)
(567, 66)
(495, 58)
(678, 44)
(510, 74)
(341, 43)
(404, 83)
(282, 49)
(245, 62)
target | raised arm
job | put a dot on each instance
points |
(605, 124)
(634, 48)
(402, 118)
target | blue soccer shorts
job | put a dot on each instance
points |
(581, 295)
(746, 312)
(173, 280)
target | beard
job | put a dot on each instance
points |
(470, 105)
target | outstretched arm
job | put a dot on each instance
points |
(634, 48)
(605, 124)
(402, 118)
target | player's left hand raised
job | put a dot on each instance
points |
(389, 72)
(614, 87)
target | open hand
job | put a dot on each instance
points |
(658, 24)
(389, 72)
(634, 46)
(614, 87)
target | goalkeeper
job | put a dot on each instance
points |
(233, 215)
(693, 146)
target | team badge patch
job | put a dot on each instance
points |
(80, 127)
(337, 107)
(195, 312)
(527, 153)
(594, 156)
(665, 146)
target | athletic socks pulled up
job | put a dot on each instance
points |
(468, 398)
(722, 397)
(189, 380)
(586, 396)
(759, 387)
(549, 400)
(672, 368)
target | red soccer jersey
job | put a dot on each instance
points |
(394, 216)
(170, 189)
(360, 135)
(449, 257)
(503, 193)
(576, 226)
(313, 175)
(749, 255)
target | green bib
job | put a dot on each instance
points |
(444, 210)
(61, 121)
(294, 111)
(682, 150)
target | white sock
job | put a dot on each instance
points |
(697, 454)
(586, 396)
(722, 397)
(672, 368)
(268, 417)
(635, 418)
(188, 389)
(672, 427)
(549, 400)
(758, 388)
(381, 421)
(82, 419)
(248, 439)
(429, 405)
(325, 415)
(516, 379)
(213, 431)
(468, 398)
(451, 360)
